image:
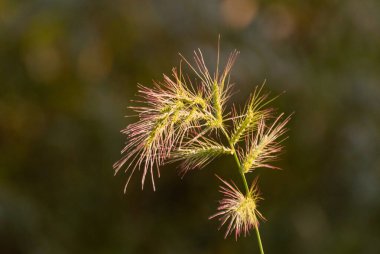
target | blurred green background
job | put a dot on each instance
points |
(68, 70)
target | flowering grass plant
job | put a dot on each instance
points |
(186, 119)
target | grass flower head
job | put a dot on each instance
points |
(238, 211)
(185, 120)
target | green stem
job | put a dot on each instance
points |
(240, 170)
(259, 240)
(245, 183)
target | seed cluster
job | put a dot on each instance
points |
(184, 119)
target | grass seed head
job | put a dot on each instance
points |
(168, 112)
(263, 146)
(238, 211)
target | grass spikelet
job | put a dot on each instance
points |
(239, 211)
(198, 154)
(264, 146)
(168, 112)
(217, 87)
(253, 113)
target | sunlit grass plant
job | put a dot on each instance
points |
(186, 119)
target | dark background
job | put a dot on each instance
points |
(68, 70)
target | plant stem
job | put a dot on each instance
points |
(247, 193)
(240, 170)
(245, 184)
(259, 240)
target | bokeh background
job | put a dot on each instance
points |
(68, 70)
